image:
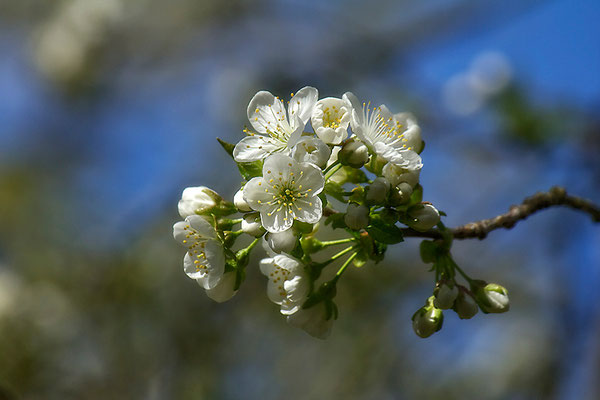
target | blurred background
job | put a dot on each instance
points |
(109, 108)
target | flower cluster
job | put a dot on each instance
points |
(354, 167)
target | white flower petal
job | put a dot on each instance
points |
(278, 166)
(224, 289)
(254, 148)
(258, 194)
(206, 264)
(311, 178)
(277, 219)
(202, 226)
(403, 158)
(312, 150)
(302, 104)
(265, 112)
(308, 210)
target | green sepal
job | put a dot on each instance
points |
(384, 232)
(310, 245)
(303, 227)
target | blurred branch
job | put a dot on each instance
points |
(556, 196)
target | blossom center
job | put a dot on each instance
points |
(331, 117)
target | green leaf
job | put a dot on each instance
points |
(384, 232)
(429, 251)
(324, 200)
(336, 221)
(335, 190)
(354, 175)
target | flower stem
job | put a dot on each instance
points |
(335, 257)
(332, 171)
(333, 164)
(460, 271)
(336, 242)
(343, 268)
(243, 255)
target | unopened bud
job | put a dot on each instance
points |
(427, 320)
(251, 225)
(445, 296)
(357, 216)
(465, 306)
(282, 242)
(491, 298)
(424, 217)
(240, 202)
(400, 194)
(197, 200)
(396, 175)
(354, 154)
(378, 191)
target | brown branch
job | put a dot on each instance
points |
(556, 196)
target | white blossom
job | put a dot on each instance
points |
(196, 200)
(288, 284)
(313, 320)
(224, 289)
(391, 137)
(330, 119)
(277, 131)
(287, 190)
(445, 296)
(312, 150)
(204, 260)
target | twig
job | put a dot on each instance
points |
(556, 196)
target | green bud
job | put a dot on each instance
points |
(491, 297)
(378, 191)
(400, 195)
(427, 320)
(423, 217)
(357, 216)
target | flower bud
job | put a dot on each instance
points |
(491, 298)
(424, 217)
(465, 306)
(251, 225)
(445, 296)
(353, 154)
(378, 191)
(224, 289)
(427, 320)
(357, 216)
(240, 202)
(282, 242)
(396, 175)
(198, 200)
(400, 194)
